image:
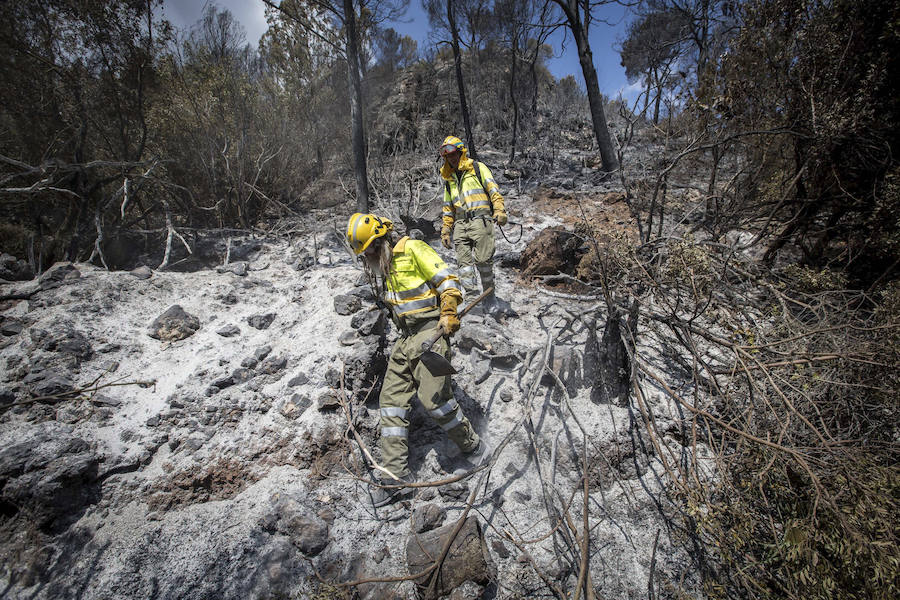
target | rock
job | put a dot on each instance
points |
(58, 274)
(53, 388)
(101, 400)
(13, 269)
(273, 364)
(305, 529)
(506, 394)
(481, 367)
(7, 396)
(262, 353)
(427, 517)
(261, 322)
(369, 322)
(173, 325)
(365, 366)
(249, 363)
(10, 327)
(458, 491)
(239, 268)
(298, 379)
(469, 590)
(465, 561)
(328, 401)
(222, 383)
(65, 340)
(294, 407)
(364, 293)
(142, 272)
(241, 375)
(500, 549)
(52, 475)
(229, 330)
(348, 338)
(345, 304)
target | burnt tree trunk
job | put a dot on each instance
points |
(579, 28)
(356, 109)
(460, 84)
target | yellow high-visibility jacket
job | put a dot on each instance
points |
(418, 280)
(464, 195)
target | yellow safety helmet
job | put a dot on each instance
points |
(450, 144)
(363, 228)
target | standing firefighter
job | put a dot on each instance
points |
(472, 202)
(423, 294)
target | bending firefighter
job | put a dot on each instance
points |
(472, 203)
(423, 294)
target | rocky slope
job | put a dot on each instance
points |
(207, 454)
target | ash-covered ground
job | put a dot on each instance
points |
(218, 460)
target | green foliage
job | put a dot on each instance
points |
(810, 281)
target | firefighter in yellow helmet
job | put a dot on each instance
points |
(422, 294)
(472, 204)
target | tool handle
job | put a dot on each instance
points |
(427, 344)
(472, 304)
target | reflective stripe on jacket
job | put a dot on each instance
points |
(418, 280)
(465, 198)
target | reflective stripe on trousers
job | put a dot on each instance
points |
(407, 377)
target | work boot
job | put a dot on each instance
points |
(481, 454)
(382, 496)
(490, 304)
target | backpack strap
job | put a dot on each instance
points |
(478, 176)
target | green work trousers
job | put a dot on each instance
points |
(407, 377)
(474, 243)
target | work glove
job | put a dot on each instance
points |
(446, 242)
(449, 322)
(500, 217)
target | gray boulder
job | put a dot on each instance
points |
(13, 269)
(173, 325)
(52, 475)
(261, 322)
(346, 304)
(59, 274)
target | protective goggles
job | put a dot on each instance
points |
(448, 149)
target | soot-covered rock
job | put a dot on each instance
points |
(53, 388)
(173, 325)
(369, 322)
(365, 367)
(261, 322)
(346, 304)
(58, 274)
(51, 474)
(13, 269)
(230, 330)
(305, 529)
(65, 340)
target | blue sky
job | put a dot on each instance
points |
(251, 14)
